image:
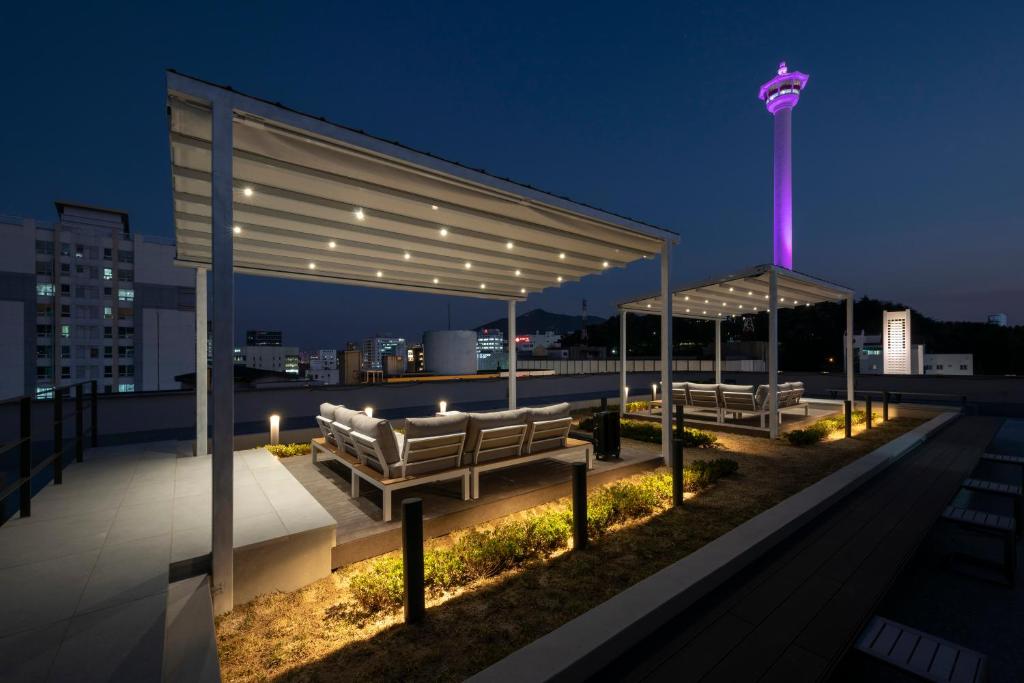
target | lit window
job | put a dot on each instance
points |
(44, 289)
(65, 331)
(126, 295)
(108, 273)
(122, 388)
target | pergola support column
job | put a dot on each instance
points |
(202, 379)
(222, 541)
(773, 353)
(718, 352)
(666, 353)
(622, 361)
(849, 349)
(512, 354)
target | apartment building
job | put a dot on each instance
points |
(84, 298)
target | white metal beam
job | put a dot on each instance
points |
(222, 541)
(622, 361)
(718, 352)
(511, 355)
(202, 379)
(849, 349)
(666, 353)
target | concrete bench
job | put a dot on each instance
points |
(921, 654)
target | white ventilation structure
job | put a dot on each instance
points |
(896, 343)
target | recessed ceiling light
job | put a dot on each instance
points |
(518, 272)
(705, 300)
(509, 245)
(765, 296)
(523, 290)
(686, 298)
(723, 303)
(434, 207)
(687, 310)
(741, 305)
(730, 289)
(380, 273)
(468, 265)
(719, 314)
(332, 244)
(359, 214)
(755, 308)
(407, 256)
(436, 280)
(795, 302)
(312, 266)
(559, 278)
(237, 229)
(604, 264)
(783, 299)
(648, 305)
(703, 312)
(561, 255)
(247, 191)
(444, 232)
(483, 285)
(749, 293)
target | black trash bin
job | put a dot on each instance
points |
(607, 441)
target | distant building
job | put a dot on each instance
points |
(376, 347)
(323, 366)
(263, 338)
(949, 364)
(85, 299)
(529, 343)
(416, 363)
(875, 353)
(489, 341)
(284, 359)
(999, 319)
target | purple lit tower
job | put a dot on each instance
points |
(780, 95)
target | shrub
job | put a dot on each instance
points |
(282, 450)
(648, 430)
(820, 429)
(480, 553)
(638, 406)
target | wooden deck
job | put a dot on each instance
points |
(793, 615)
(362, 534)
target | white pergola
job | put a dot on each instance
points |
(748, 292)
(262, 189)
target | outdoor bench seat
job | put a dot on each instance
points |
(997, 525)
(921, 654)
(572, 447)
(998, 488)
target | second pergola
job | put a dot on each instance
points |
(757, 290)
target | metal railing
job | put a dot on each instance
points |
(27, 470)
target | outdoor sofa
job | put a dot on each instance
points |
(452, 445)
(736, 400)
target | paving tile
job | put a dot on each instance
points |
(28, 655)
(147, 491)
(69, 506)
(40, 593)
(127, 571)
(141, 521)
(251, 501)
(189, 543)
(47, 539)
(297, 519)
(190, 486)
(249, 530)
(121, 643)
(189, 512)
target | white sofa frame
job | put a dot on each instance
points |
(395, 476)
(529, 436)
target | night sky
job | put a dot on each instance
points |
(908, 142)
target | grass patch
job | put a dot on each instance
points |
(288, 450)
(820, 429)
(297, 636)
(483, 553)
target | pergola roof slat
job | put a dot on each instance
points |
(300, 183)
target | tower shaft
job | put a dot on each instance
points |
(782, 176)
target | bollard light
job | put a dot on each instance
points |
(369, 411)
(443, 407)
(275, 429)
(654, 392)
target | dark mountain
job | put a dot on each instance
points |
(539, 320)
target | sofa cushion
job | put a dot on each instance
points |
(701, 387)
(381, 431)
(327, 410)
(450, 423)
(501, 418)
(344, 415)
(761, 395)
(739, 388)
(543, 413)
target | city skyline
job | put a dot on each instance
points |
(668, 131)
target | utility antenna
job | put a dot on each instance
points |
(583, 332)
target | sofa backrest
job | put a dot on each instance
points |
(386, 444)
(431, 453)
(449, 423)
(702, 395)
(546, 435)
(327, 410)
(344, 415)
(501, 418)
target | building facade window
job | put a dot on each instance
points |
(44, 247)
(126, 295)
(108, 273)
(125, 387)
(125, 256)
(43, 351)
(65, 372)
(108, 371)
(44, 289)
(44, 268)
(44, 330)
(65, 331)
